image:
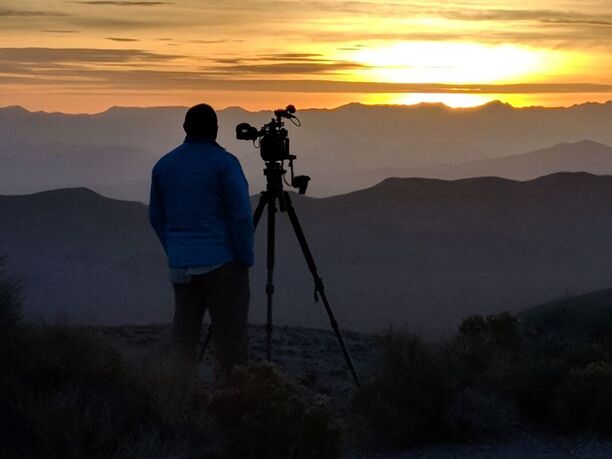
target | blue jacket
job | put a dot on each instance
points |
(200, 208)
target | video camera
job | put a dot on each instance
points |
(274, 143)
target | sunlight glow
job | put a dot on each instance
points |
(450, 100)
(420, 62)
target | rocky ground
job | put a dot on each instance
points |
(313, 358)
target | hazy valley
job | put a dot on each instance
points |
(343, 149)
(418, 253)
(410, 252)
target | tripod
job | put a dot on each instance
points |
(275, 193)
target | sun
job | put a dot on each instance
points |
(437, 62)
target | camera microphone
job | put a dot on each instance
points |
(287, 112)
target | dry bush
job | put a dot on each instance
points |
(409, 401)
(584, 400)
(10, 300)
(75, 397)
(263, 415)
(66, 393)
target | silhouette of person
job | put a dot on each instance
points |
(200, 209)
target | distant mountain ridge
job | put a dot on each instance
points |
(582, 156)
(343, 149)
(415, 253)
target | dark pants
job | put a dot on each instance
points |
(224, 292)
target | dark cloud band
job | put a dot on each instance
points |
(79, 55)
(9, 12)
(121, 39)
(120, 3)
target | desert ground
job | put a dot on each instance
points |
(313, 359)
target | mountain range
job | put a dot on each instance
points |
(583, 156)
(415, 253)
(344, 149)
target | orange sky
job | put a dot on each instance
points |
(84, 56)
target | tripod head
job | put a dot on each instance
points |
(273, 143)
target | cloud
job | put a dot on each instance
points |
(121, 24)
(229, 61)
(121, 39)
(539, 35)
(121, 3)
(577, 21)
(281, 64)
(289, 68)
(114, 23)
(9, 12)
(352, 7)
(517, 15)
(81, 79)
(494, 14)
(589, 23)
(59, 31)
(81, 69)
(210, 42)
(79, 55)
(290, 57)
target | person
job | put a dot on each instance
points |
(200, 209)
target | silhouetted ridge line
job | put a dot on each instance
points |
(585, 142)
(495, 104)
(122, 109)
(398, 187)
(391, 186)
(601, 296)
(69, 195)
(14, 111)
(397, 182)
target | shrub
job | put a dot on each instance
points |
(409, 400)
(65, 393)
(483, 355)
(10, 300)
(69, 395)
(262, 415)
(584, 400)
(482, 359)
(531, 386)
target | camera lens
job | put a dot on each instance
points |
(244, 131)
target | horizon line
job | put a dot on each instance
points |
(233, 107)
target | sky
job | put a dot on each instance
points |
(84, 56)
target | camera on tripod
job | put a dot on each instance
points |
(274, 144)
(273, 141)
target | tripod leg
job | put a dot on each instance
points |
(320, 288)
(270, 273)
(263, 199)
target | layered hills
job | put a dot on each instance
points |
(583, 156)
(415, 253)
(343, 149)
